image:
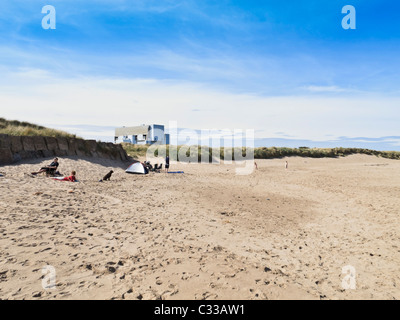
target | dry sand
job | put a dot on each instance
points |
(207, 234)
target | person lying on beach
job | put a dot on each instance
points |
(48, 169)
(71, 178)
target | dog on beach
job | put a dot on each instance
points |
(107, 177)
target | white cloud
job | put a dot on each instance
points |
(37, 96)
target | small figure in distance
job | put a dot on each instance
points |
(286, 165)
(255, 165)
(167, 164)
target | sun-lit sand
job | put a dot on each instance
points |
(207, 234)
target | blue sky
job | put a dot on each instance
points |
(286, 69)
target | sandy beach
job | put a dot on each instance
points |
(205, 234)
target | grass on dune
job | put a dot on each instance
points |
(18, 128)
(135, 151)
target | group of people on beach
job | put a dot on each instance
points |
(149, 167)
(51, 170)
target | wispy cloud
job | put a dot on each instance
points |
(36, 96)
(328, 89)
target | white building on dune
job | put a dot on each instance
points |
(141, 135)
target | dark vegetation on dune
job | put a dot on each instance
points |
(136, 151)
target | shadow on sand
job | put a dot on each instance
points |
(104, 162)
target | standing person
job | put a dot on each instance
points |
(167, 164)
(51, 169)
(286, 165)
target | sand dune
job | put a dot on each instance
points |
(207, 234)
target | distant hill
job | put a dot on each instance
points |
(17, 128)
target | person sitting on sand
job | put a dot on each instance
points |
(149, 166)
(51, 169)
(71, 178)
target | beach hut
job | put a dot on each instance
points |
(137, 168)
